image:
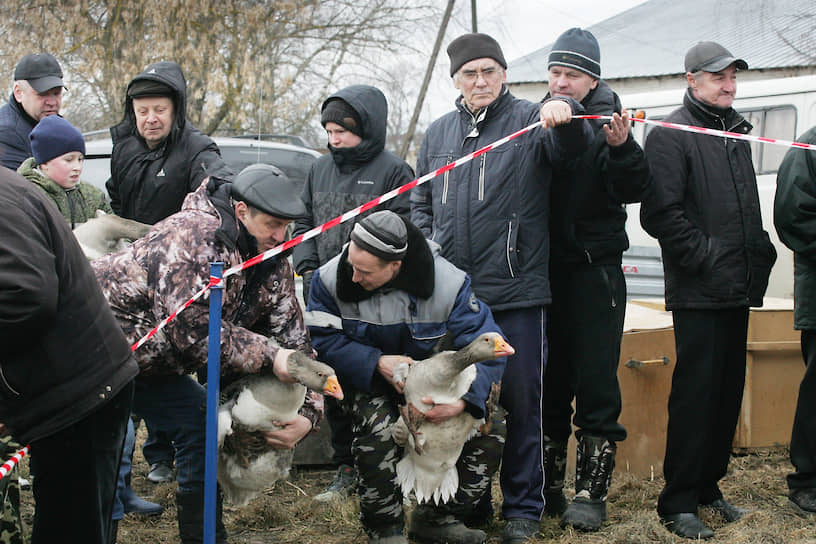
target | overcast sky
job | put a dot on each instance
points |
(520, 26)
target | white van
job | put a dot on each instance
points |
(782, 109)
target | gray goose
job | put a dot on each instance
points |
(428, 466)
(246, 463)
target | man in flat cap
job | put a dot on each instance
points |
(37, 93)
(388, 298)
(158, 156)
(585, 325)
(144, 283)
(491, 218)
(356, 169)
(704, 210)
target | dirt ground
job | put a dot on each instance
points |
(286, 513)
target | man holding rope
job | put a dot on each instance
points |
(227, 222)
(491, 218)
(704, 210)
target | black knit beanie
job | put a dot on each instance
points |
(142, 88)
(467, 47)
(337, 110)
(577, 49)
(383, 234)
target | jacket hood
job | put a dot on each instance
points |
(30, 171)
(416, 276)
(169, 73)
(370, 104)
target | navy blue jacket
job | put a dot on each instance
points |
(491, 215)
(15, 126)
(429, 299)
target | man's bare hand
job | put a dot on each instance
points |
(291, 433)
(386, 365)
(280, 366)
(441, 412)
(617, 131)
(554, 113)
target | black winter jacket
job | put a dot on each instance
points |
(15, 126)
(491, 215)
(349, 177)
(146, 184)
(588, 217)
(704, 211)
(796, 225)
(64, 355)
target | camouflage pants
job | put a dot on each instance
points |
(11, 527)
(376, 456)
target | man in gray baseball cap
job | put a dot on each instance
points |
(704, 210)
(37, 93)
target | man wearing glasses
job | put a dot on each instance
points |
(490, 216)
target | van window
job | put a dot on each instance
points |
(778, 122)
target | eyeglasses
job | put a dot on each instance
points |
(488, 74)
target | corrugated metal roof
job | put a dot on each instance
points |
(651, 39)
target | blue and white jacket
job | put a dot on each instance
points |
(428, 300)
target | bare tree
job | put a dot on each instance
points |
(251, 65)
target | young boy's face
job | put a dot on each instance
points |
(65, 169)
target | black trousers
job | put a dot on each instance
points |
(76, 470)
(584, 332)
(704, 405)
(341, 434)
(803, 438)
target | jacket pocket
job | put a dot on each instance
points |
(511, 248)
(723, 274)
(762, 256)
(6, 389)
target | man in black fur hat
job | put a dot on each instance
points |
(387, 299)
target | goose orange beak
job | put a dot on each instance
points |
(332, 388)
(502, 349)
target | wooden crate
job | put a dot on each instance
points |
(773, 371)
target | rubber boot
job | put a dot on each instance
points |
(427, 526)
(190, 511)
(593, 473)
(134, 504)
(555, 467)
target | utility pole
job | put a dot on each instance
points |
(473, 18)
(409, 135)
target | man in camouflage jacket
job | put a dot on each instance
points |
(262, 320)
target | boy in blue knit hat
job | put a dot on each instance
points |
(59, 152)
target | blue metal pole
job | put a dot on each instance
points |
(213, 394)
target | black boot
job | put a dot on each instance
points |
(593, 474)
(190, 512)
(430, 526)
(555, 466)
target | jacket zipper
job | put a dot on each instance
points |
(507, 249)
(7, 384)
(445, 179)
(482, 177)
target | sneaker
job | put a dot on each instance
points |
(160, 472)
(518, 531)
(343, 485)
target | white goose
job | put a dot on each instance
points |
(246, 463)
(428, 467)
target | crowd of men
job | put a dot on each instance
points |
(525, 241)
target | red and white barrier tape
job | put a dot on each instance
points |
(10, 464)
(333, 223)
(709, 131)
